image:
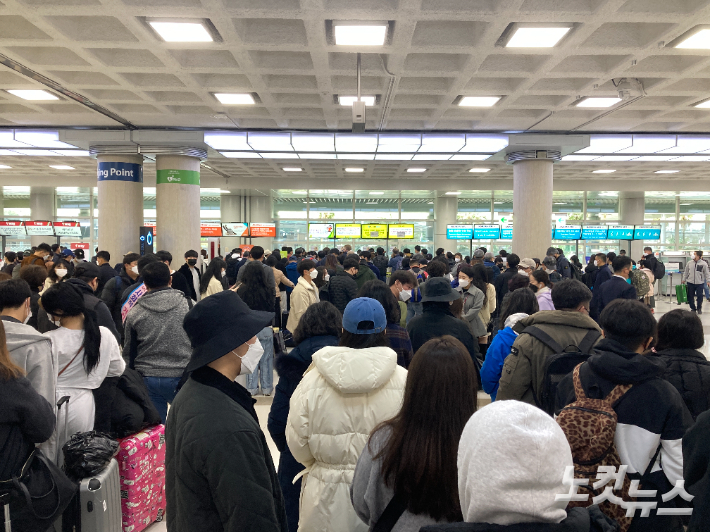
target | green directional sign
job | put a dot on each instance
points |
(180, 177)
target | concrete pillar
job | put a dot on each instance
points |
(445, 210)
(532, 207)
(42, 207)
(178, 204)
(230, 208)
(261, 211)
(120, 203)
(631, 212)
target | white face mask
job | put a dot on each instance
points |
(523, 272)
(451, 277)
(57, 321)
(251, 358)
(61, 272)
(45, 257)
(464, 284)
(405, 295)
(135, 270)
(223, 272)
(29, 315)
(314, 274)
(327, 277)
(457, 259)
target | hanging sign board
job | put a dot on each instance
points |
(67, 228)
(39, 228)
(12, 229)
(266, 230)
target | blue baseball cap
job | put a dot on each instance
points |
(364, 309)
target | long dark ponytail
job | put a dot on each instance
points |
(64, 299)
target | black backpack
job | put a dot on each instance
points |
(659, 272)
(561, 364)
(324, 292)
(576, 272)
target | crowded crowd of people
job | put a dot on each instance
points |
(375, 412)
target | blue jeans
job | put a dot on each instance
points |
(707, 291)
(697, 291)
(162, 392)
(414, 309)
(264, 372)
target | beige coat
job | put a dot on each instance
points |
(279, 277)
(214, 287)
(490, 306)
(303, 296)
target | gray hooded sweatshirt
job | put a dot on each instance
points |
(154, 336)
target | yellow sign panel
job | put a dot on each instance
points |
(401, 231)
(347, 230)
(374, 231)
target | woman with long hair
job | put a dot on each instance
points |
(256, 293)
(85, 354)
(473, 290)
(541, 285)
(58, 272)
(521, 304)
(279, 278)
(347, 391)
(413, 455)
(211, 281)
(331, 264)
(319, 327)
(480, 279)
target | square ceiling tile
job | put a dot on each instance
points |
(11, 81)
(299, 112)
(667, 63)
(267, 5)
(662, 6)
(660, 101)
(125, 57)
(435, 62)
(345, 61)
(513, 63)
(173, 96)
(522, 113)
(590, 63)
(163, 3)
(627, 34)
(12, 108)
(427, 100)
(109, 94)
(562, 84)
(494, 85)
(307, 124)
(92, 28)
(274, 81)
(701, 85)
(205, 58)
(565, 6)
(361, 5)
(297, 99)
(222, 81)
(271, 31)
(437, 84)
(48, 55)
(83, 78)
(349, 83)
(448, 33)
(281, 60)
(545, 101)
(16, 27)
(191, 109)
(141, 79)
(461, 6)
(65, 108)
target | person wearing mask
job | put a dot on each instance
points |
(9, 262)
(501, 282)
(395, 261)
(695, 277)
(325, 410)
(524, 370)
(35, 276)
(651, 418)
(304, 294)
(481, 278)
(111, 295)
(155, 343)
(211, 281)
(85, 353)
(489, 262)
(593, 270)
(178, 280)
(321, 326)
(417, 458)
(396, 334)
(26, 419)
(679, 340)
(648, 298)
(458, 261)
(343, 286)
(255, 291)
(499, 493)
(42, 254)
(190, 272)
(618, 287)
(219, 474)
(522, 303)
(402, 286)
(437, 319)
(561, 263)
(606, 272)
(541, 285)
(279, 279)
(57, 273)
(103, 260)
(474, 293)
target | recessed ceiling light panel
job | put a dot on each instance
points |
(292, 169)
(354, 170)
(479, 101)
(598, 102)
(537, 37)
(348, 101)
(228, 98)
(416, 170)
(667, 171)
(695, 40)
(181, 31)
(479, 170)
(360, 34)
(61, 167)
(604, 171)
(36, 95)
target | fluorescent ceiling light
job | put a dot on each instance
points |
(357, 156)
(360, 35)
(559, 203)
(697, 41)
(685, 204)
(227, 141)
(667, 171)
(603, 171)
(453, 193)
(398, 143)
(615, 158)
(609, 194)
(149, 191)
(650, 144)
(701, 105)
(5, 167)
(498, 202)
(479, 101)
(37, 95)
(485, 144)
(691, 159)
(686, 144)
(607, 143)
(431, 157)
(73, 153)
(299, 192)
(37, 153)
(356, 143)
(354, 170)
(182, 31)
(7, 140)
(349, 100)
(655, 158)
(598, 102)
(240, 154)
(470, 157)
(578, 158)
(442, 143)
(393, 157)
(536, 37)
(227, 98)
(61, 167)
(430, 203)
(375, 193)
(42, 139)
(270, 141)
(313, 141)
(479, 170)
(318, 156)
(292, 169)
(279, 155)
(416, 170)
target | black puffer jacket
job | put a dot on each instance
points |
(689, 371)
(342, 290)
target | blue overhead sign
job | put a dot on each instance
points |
(647, 232)
(595, 232)
(459, 232)
(568, 232)
(621, 232)
(506, 232)
(487, 232)
(120, 172)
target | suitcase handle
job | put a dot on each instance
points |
(63, 400)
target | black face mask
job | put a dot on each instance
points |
(192, 262)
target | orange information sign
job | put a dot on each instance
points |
(262, 230)
(210, 229)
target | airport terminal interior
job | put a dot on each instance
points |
(133, 126)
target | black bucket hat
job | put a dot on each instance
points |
(220, 323)
(438, 289)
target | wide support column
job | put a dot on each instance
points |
(631, 212)
(42, 207)
(532, 207)
(178, 204)
(230, 208)
(120, 204)
(261, 211)
(445, 211)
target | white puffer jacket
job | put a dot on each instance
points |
(343, 395)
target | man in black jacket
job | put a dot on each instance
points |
(103, 261)
(112, 292)
(219, 474)
(191, 273)
(380, 261)
(563, 267)
(437, 319)
(501, 282)
(650, 416)
(343, 287)
(86, 278)
(605, 272)
(179, 282)
(616, 288)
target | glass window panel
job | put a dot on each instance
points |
(659, 206)
(376, 205)
(417, 205)
(331, 205)
(602, 206)
(292, 233)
